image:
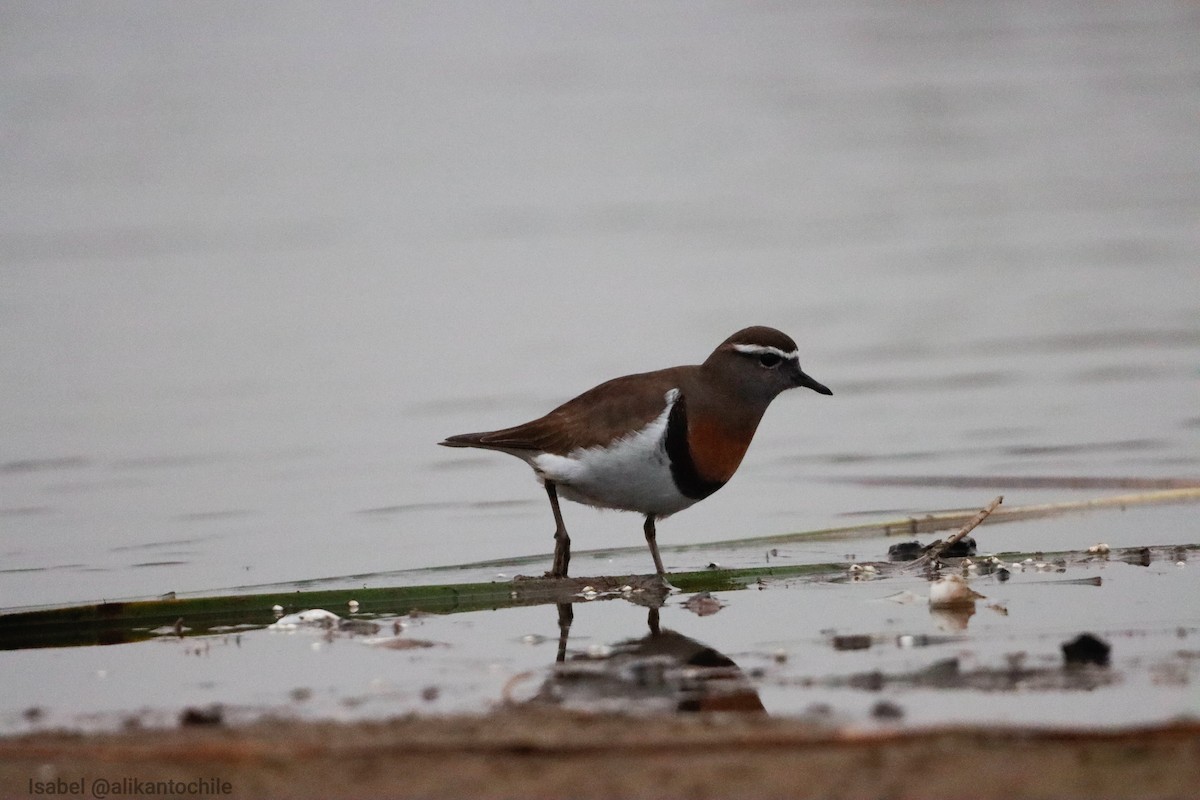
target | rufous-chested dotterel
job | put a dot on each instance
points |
(655, 442)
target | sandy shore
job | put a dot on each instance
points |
(556, 755)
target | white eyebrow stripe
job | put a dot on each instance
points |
(758, 349)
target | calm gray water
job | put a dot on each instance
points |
(257, 259)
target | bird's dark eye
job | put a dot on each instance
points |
(770, 360)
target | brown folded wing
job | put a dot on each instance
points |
(617, 408)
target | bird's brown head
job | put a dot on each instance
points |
(758, 363)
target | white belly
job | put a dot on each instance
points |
(632, 474)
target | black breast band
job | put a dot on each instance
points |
(683, 469)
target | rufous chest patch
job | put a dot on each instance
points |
(716, 450)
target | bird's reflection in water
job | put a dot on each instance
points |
(953, 619)
(663, 671)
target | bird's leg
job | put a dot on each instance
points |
(566, 615)
(562, 542)
(653, 542)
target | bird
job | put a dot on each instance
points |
(657, 442)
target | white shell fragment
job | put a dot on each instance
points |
(312, 616)
(862, 572)
(950, 591)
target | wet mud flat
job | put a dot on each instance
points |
(839, 668)
(539, 753)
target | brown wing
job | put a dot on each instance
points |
(596, 417)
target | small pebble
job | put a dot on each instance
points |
(963, 547)
(213, 715)
(1137, 555)
(277, 610)
(905, 551)
(885, 710)
(353, 606)
(1086, 649)
(852, 642)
